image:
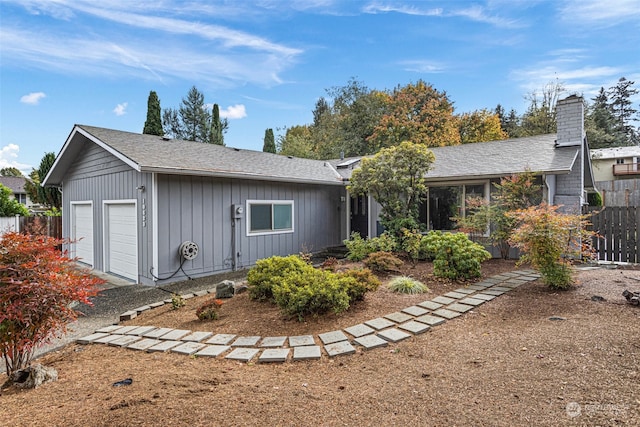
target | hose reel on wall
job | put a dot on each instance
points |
(188, 251)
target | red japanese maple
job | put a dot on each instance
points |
(38, 284)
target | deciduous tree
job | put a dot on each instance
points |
(48, 196)
(395, 177)
(10, 171)
(10, 206)
(418, 113)
(37, 286)
(480, 126)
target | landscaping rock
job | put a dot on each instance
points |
(33, 376)
(240, 288)
(225, 289)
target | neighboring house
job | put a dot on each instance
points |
(137, 202)
(16, 185)
(617, 175)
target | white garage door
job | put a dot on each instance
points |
(122, 240)
(82, 232)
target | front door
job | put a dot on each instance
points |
(360, 215)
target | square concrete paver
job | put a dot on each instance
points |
(123, 330)
(339, 348)
(197, 336)
(371, 341)
(175, 334)
(430, 320)
(484, 297)
(398, 317)
(109, 329)
(331, 337)
(393, 335)
(221, 339)
(492, 292)
(472, 301)
(456, 295)
(307, 352)
(477, 287)
(242, 354)
(164, 346)
(273, 341)
(142, 309)
(141, 330)
(157, 333)
(124, 340)
(156, 304)
(301, 340)
(465, 291)
(107, 339)
(443, 300)
(414, 310)
(91, 338)
(212, 350)
(447, 314)
(430, 305)
(274, 355)
(144, 344)
(414, 327)
(501, 288)
(460, 308)
(249, 341)
(379, 323)
(359, 330)
(187, 348)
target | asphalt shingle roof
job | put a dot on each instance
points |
(14, 183)
(493, 159)
(150, 153)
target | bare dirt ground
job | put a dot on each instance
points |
(503, 364)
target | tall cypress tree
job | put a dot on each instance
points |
(269, 142)
(153, 125)
(216, 136)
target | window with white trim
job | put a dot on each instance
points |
(269, 217)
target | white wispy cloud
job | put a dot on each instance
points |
(32, 98)
(175, 44)
(598, 12)
(9, 156)
(474, 13)
(237, 111)
(423, 66)
(121, 109)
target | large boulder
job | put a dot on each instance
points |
(225, 289)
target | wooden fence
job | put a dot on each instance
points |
(617, 232)
(47, 225)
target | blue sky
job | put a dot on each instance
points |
(265, 63)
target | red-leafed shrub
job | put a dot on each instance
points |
(37, 286)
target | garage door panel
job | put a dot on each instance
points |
(122, 253)
(82, 233)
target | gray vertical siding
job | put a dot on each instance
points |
(199, 209)
(97, 175)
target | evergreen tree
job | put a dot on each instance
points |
(32, 184)
(621, 107)
(10, 171)
(153, 124)
(194, 116)
(49, 196)
(600, 124)
(216, 136)
(269, 142)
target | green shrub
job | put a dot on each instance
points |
(383, 261)
(407, 285)
(454, 255)
(411, 244)
(557, 275)
(267, 271)
(359, 248)
(177, 301)
(365, 281)
(312, 292)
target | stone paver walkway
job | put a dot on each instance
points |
(371, 334)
